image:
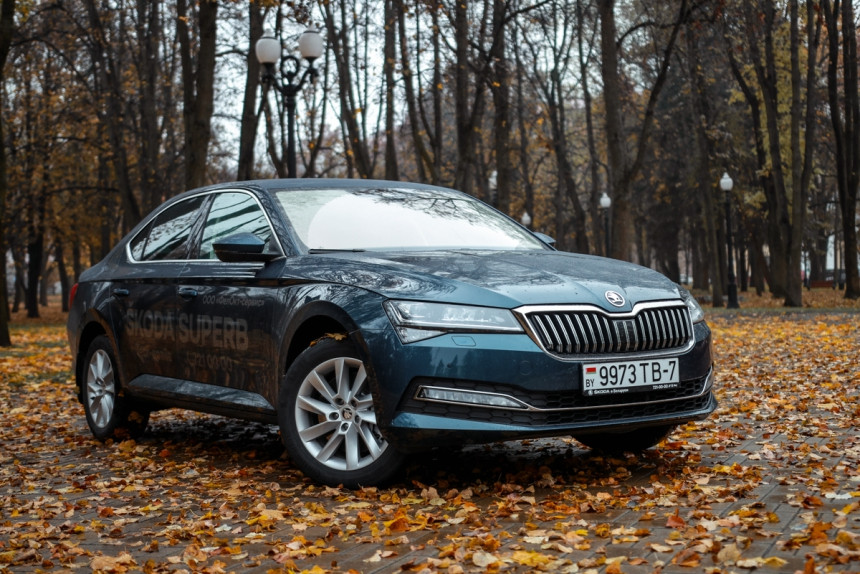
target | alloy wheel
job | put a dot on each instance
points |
(334, 416)
(101, 388)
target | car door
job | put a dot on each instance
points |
(145, 301)
(225, 324)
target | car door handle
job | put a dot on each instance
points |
(120, 292)
(187, 292)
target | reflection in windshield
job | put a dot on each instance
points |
(398, 219)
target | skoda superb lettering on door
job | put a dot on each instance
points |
(207, 330)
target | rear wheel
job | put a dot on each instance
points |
(110, 414)
(632, 441)
(327, 418)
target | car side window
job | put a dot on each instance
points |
(231, 213)
(138, 244)
(166, 238)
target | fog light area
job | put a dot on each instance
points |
(478, 398)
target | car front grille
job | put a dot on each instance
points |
(587, 331)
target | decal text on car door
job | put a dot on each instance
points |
(203, 330)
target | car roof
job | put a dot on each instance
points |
(272, 185)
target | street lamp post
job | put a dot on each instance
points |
(605, 204)
(268, 50)
(726, 185)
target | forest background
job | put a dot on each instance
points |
(539, 107)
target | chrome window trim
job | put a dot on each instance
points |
(154, 215)
(521, 313)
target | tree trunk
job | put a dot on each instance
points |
(525, 172)
(462, 169)
(34, 269)
(108, 81)
(567, 182)
(500, 90)
(20, 283)
(615, 137)
(63, 273)
(423, 160)
(7, 29)
(198, 84)
(765, 69)
(593, 157)
(845, 122)
(436, 91)
(623, 170)
(392, 172)
(250, 116)
(759, 267)
(710, 217)
(44, 287)
(852, 108)
(148, 28)
(765, 175)
(357, 151)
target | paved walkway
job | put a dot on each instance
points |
(545, 505)
(771, 484)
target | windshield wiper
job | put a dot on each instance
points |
(314, 251)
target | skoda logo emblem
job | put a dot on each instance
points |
(615, 299)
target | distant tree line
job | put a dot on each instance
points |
(538, 107)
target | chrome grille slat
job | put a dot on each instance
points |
(587, 331)
(573, 333)
(568, 345)
(673, 331)
(547, 340)
(675, 322)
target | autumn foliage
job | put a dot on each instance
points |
(771, 482)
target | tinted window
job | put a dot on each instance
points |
(168, 234)
(138, 244)
(232, 213)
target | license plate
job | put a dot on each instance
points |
(629, 376)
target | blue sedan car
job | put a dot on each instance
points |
(372, 319)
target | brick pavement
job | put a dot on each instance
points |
(165, 537)
(771, 483)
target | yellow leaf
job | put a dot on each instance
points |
(527, 558)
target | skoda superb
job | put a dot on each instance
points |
(372, 319)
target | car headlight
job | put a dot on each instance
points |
(418, 320)
(697, 314)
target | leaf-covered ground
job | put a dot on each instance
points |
(770, 483)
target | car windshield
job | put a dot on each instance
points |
(382, 219)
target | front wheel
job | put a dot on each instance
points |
(632, 441)
(328, 422)
(110, 414)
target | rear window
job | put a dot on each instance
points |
(166, 237)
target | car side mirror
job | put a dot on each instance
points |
(242, 248)
(545, 238)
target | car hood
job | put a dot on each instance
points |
(494, 278)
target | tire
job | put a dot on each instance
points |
(110, 414)
(632, 441)
(328, 421)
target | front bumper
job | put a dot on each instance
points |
(535, 394)
(420, 426)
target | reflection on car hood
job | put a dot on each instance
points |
(493, 278)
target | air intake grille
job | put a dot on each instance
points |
(585, 332)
